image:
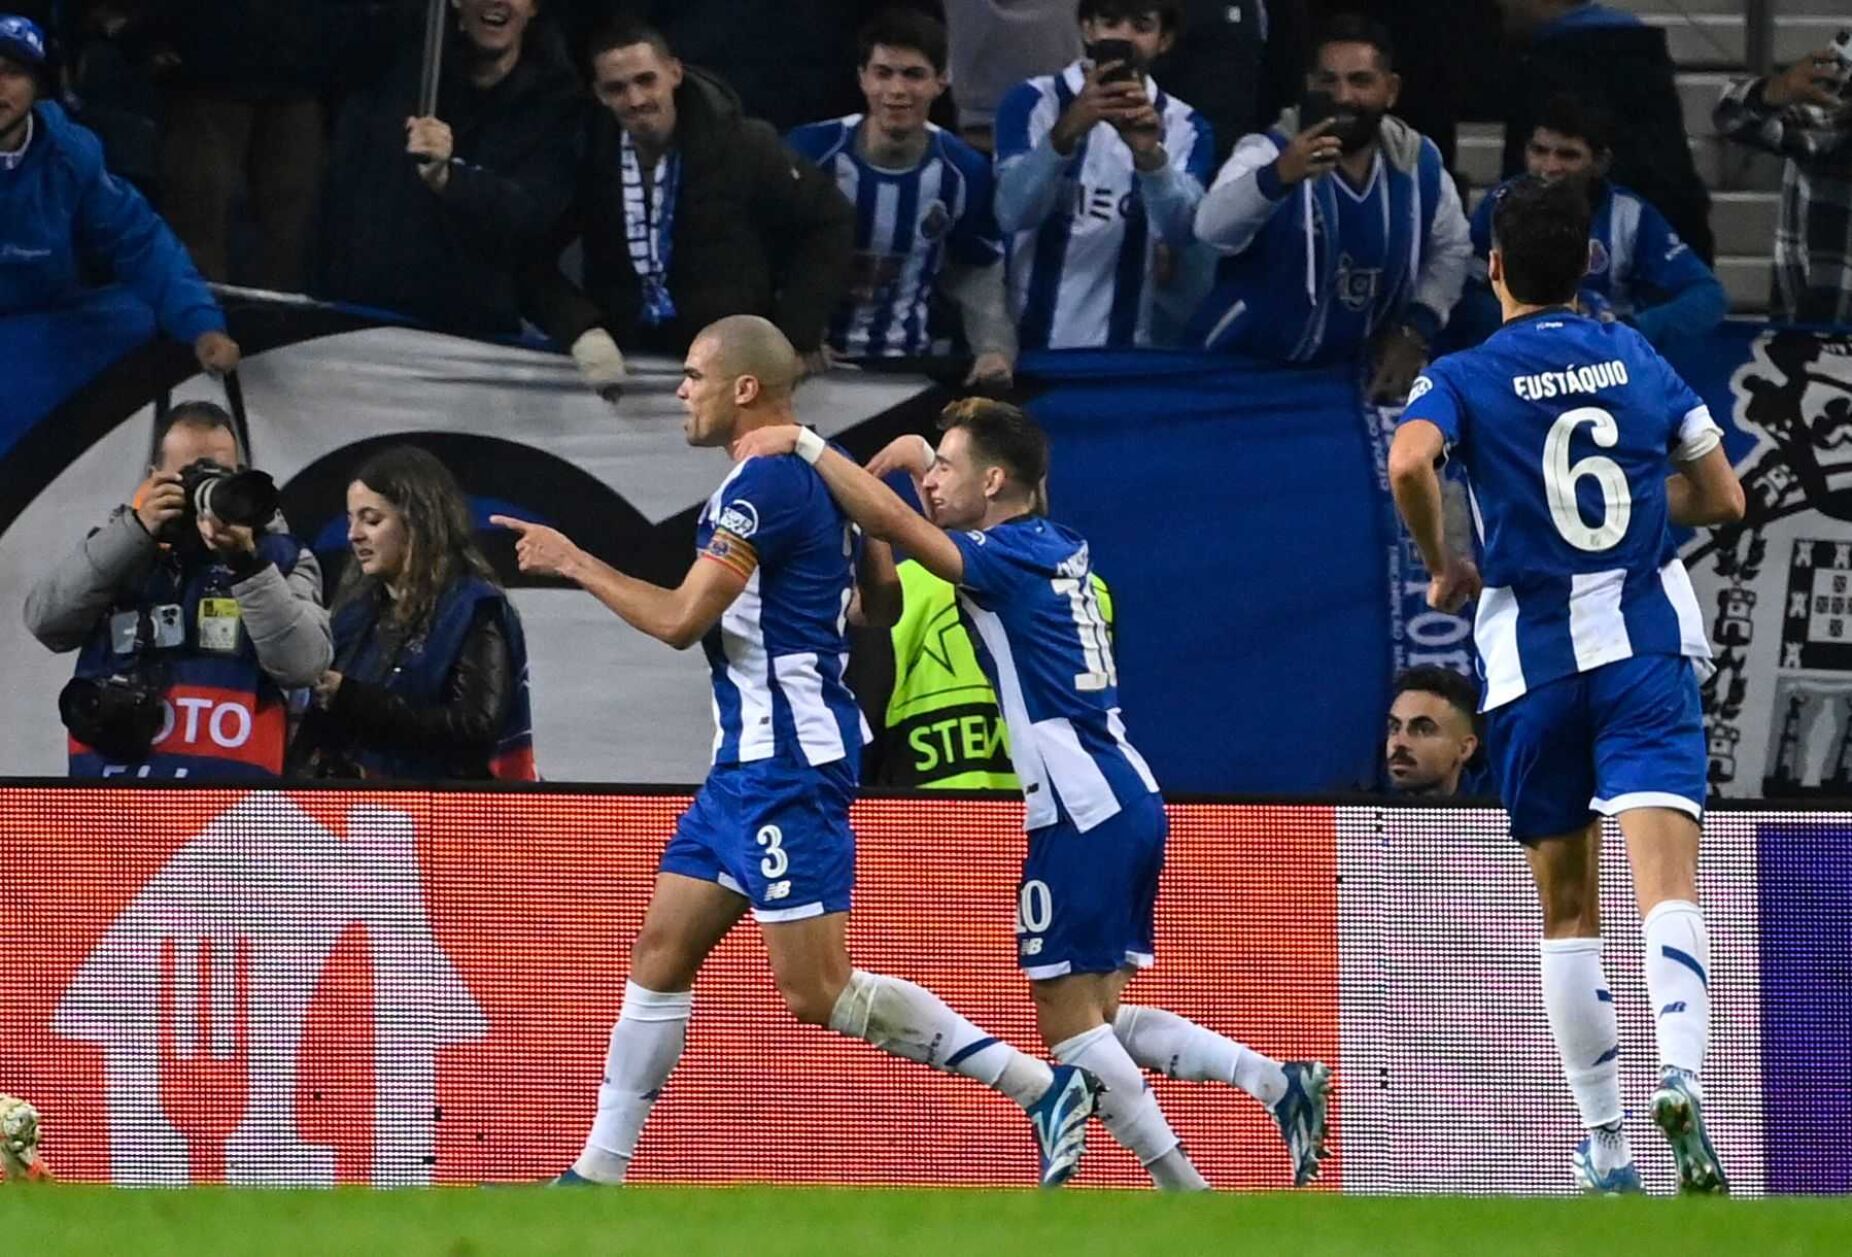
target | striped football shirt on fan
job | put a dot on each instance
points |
(908, 225)
(1081, 273)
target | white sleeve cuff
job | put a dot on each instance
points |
(1698, 435)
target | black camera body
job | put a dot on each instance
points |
(119, 716)
(248, 498)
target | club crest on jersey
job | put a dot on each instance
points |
(739, 517)
(1598, 258)
(936, 221)
(1357, 285)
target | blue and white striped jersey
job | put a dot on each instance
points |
(1567, 429)
(1029, 601)
(779, 653)
(908, 224)
(1083, 258)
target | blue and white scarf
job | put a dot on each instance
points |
(649, 227)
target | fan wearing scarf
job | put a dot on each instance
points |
(430, 665)
(1342, 237)
(689, 212)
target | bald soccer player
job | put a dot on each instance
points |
(774, 581)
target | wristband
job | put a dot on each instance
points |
(810, 446)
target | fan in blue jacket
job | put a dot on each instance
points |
(63, 216)
(1639, 271)
(1341, 239)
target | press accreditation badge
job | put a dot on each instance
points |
(218, 624)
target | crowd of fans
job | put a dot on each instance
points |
(902, 179)
(1272, 178)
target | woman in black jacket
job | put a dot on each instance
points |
(430, 667)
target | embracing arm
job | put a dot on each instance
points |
(871, 504)
(679, 617)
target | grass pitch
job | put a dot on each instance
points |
(49, 1221)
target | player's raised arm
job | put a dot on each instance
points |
(680, 616)
(878, 509)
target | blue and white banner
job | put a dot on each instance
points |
(1266, 594)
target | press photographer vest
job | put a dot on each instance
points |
(224, 718)
(944, 730)
(422, 670)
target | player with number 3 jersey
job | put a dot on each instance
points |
(1096, 822)
(773, 583)
(1582, 449)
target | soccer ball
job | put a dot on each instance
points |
(19, 1141)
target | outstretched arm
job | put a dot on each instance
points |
(680, 616)
(877, 508)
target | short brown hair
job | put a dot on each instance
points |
(1002, 436)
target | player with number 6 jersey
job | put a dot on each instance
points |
(1582, 449)
(1096, 823)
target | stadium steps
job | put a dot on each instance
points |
(1708, 41)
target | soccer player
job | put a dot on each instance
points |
(767, 598)
(1095, 819)
(922, 208)
(1581, 449)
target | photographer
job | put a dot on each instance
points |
(430, 665)
(190, 624)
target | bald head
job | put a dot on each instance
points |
(747, 345)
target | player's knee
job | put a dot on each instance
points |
(660, 962)
(1571, 911)
(810, 998)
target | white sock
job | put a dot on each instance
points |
(1176, 1047)
(1678, 963)
(1129, 1109)
(645, 1044)
(1582, 1020)
(1608, 1148)
(911, 1022)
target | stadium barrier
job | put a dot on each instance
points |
(408, 988)
(1208, 488)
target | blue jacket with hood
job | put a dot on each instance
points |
(66, 221)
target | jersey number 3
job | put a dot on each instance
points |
(1561, 477)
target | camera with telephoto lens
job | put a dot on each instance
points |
(248, 498)
(119, 716)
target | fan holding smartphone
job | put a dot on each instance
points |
(1364, 265)
(1098, 176)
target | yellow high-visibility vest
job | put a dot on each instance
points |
(944, 730)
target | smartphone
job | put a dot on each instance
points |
(1317, 107)
(1105, 51)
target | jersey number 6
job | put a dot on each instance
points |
(1560, 478)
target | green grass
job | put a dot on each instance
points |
(770, 1222)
